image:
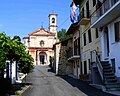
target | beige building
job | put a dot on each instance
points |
(40, 42)
(88, 38)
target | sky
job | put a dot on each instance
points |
(21, 17)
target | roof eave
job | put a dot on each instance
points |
(73, 28)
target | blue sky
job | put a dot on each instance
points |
(20, 17)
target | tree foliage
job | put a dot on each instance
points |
(25, 63)
(14, 50)
(62, 35)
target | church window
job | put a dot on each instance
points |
(53, 20)
(41, 43)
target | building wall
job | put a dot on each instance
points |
(64, 66)
(57, 49)
(90, 46)
(48, 41)
(34, 47)
(76, 62)
(114, 47)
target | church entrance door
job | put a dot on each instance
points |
(42, 57)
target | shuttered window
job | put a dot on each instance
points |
(89, 36)
(97, 34)
(117, 31)
(84, 37)
(94, 3)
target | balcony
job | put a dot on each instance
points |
(84, 17)
(71, 56)
(108, 12)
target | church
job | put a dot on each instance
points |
(40, 42)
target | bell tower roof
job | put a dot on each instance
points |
(53, 14)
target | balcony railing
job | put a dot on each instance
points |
(95, 58)
(84, 17)
(71, 55)
(102, 10)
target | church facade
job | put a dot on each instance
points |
(40, 42)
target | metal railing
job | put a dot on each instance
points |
(106, 5)
(95, 58)
(83, 14)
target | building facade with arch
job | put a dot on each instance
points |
(40, 42)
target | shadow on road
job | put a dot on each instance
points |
(85, 87)
(16, 87)
(50, 70)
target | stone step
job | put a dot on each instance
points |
(112, 86)
(108, 70)
(108, 74)
(105, 62)
(110, 77)
(112, 83)
(111, 80)
(113, 89)
(107, 67)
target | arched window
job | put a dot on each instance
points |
(53, 20)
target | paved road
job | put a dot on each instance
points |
(45, 83)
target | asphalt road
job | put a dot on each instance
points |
(45, 83)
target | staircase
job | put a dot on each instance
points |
(106, 73)
(110, 80)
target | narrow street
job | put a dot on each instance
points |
(45, 83)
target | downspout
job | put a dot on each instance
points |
(80, 51)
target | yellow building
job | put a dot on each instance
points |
(89, 37)
(40, 42)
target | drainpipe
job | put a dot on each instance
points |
(80, 51)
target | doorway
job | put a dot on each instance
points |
(106, 38)
(42, 58)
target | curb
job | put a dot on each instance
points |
(20, 92)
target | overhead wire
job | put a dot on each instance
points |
(63, 22)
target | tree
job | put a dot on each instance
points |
(3, 51)
(62, 35)
(14, 50)
(18, 39)
(26, 63)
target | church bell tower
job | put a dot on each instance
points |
(53, 23)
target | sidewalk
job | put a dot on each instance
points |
(85, 87)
